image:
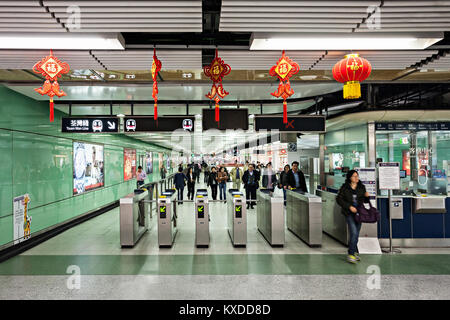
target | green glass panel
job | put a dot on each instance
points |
(5, 173)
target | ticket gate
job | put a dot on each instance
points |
(237, 217)
(304, 216)
(133, 218)
(167, 218)
(270, 217)
(201, 218)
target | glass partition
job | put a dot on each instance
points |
(423, 157)
(344, 150)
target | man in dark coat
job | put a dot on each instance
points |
(297, 178)
(251, 184)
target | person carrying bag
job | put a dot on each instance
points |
(352, 195)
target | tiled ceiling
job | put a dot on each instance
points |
(102, 16)
(334, 16)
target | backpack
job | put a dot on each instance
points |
(364, 215)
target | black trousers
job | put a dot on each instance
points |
(214, 191)
(191, 190)
(250, 194)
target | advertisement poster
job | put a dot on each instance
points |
(160, 158)
(422, 157)
(368, 178)
(148, 162)
(337, 161)
(129, 164)
(88, 171)
(406, 162)
(22, 220)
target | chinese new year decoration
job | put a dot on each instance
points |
(156, 67)
(51, 68)
(351, 71)
(284, 69)
(216, 71)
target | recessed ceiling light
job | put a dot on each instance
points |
(56, 41)
(341, 41)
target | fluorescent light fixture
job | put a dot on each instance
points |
(61, 41)
(344, 41)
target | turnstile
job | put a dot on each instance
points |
(167, 218)
(270, 217)
(304, 216)
(133, 218)
(201, 218)
(333, 221)
(237, 218)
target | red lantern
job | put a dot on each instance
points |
(284, 69)
(156, 67)
(216, 71)
(51, 68)
(351, 71)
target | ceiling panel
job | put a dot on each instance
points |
(142, 59)
(26, 59)
(378, 59)
(264, 60)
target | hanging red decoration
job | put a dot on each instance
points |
(51, 68)
(216, 71)
(284, 69)
(156, 67)
(351, 71)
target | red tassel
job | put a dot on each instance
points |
(52, 116)
(155, 112)
(284, 112)
(217, 112)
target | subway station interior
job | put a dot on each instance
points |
(106, 106)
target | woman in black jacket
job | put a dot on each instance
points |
(212, 182)
(283, 183)
(350, 195)
(191, 183)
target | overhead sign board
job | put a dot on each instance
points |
(229, 119)
(90, 125)
(413, 126)
(148, 124)
(294, 124)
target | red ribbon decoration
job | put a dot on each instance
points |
(216, 71)
(156, 67)
(51, 68)
(284, 69)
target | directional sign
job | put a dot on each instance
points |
(201, 211)
(412, 126)
(238, 211)
(229, 119)
(294, 124)
(90, 125)
(162, 212)
(148, 124)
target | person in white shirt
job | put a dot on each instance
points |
(141, 175)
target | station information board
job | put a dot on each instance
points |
(229, 119)
(413, 126)
(389, 175)
(90, 125)
(148, 124)
(294, 124)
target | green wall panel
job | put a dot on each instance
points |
(37, 159)
(6, 229)
(5, 172)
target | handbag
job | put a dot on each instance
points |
(364, 215)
